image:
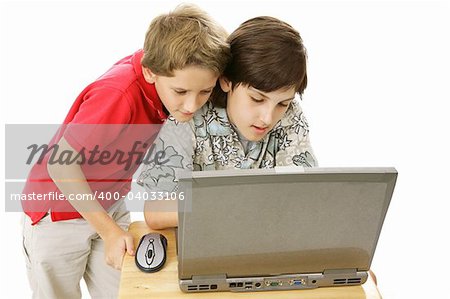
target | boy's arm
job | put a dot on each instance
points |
(159, 219)
(176, 144)
(70, 179)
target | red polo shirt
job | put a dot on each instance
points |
(105, 117)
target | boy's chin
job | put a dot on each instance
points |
(182, 118)
(254, 137)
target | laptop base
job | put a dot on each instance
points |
(220, 283)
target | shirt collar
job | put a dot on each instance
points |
(149, 90)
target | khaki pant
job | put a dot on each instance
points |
(58, 254)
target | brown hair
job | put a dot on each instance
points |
(267, 54)
(186, 36)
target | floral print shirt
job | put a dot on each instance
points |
(210, 142)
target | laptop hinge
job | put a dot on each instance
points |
(340, 271)
(216, 278)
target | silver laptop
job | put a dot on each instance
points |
(280, 229)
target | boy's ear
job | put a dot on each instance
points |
(225, 84)
(149, 76)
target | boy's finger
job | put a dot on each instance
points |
(130, 245)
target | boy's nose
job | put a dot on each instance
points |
(190, 105)
(267, 116)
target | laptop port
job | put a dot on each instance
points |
(232, 284)
(296, 282)
(240, 284)
(273, 283)
(258, 284)
(214, 287)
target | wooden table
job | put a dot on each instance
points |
(137, 284)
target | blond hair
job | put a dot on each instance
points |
(186, 36)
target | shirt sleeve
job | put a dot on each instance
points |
(101, 116)
(171, 153)
(294, 143)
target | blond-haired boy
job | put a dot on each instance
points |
(184, 54)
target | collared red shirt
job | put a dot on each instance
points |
(98, 116)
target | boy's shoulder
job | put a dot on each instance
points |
(123, 74)
(122, 90)
(199, 120)
(293, 122)
(209, 110)
(293, 114)
(209, 114)
(210, 120)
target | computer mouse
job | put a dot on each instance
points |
(151, 252)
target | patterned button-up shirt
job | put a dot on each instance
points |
(210, 142)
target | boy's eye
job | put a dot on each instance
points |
(180, 92)
(284, 104)
(206, 91)
(256, 100)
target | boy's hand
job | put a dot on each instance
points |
(116, 244)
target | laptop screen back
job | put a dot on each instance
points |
(271, 222)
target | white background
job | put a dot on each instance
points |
(377, 96)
